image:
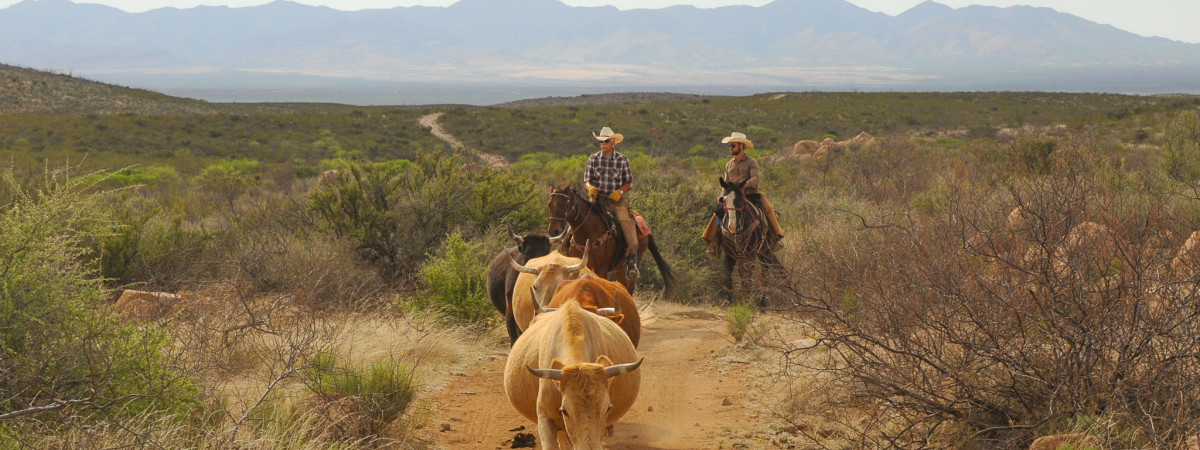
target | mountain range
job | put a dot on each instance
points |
(546, 45)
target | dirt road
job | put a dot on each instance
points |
(694, 394)
(431, 121)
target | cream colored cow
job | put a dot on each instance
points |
(574, 373)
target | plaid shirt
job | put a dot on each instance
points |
(609, 173)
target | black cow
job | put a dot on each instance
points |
(502, 277)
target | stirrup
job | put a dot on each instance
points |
(631, 267)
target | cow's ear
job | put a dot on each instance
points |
(604, 361)
(556, 364)
(617, 318)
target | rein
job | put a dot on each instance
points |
(741, 217)
(572, 213)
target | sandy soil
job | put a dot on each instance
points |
(694, 394)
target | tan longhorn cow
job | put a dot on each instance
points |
(574, 373)
(537, 281)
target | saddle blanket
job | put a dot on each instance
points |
(643, 228)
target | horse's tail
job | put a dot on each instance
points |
(664, 269)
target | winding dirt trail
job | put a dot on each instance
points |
(692, 394)
(431, 121)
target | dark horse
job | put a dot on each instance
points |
(589, 222)
(743, 235)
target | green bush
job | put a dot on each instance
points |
(454, 283)
(381, 392)
(64, 361)
(739, 319)
(1181, 151)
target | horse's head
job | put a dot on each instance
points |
(562, 205)
(733, 204)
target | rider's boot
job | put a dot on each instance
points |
(713, 251)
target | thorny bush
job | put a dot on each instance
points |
(977, 323)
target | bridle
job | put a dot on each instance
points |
(739, 210)
(572, 213)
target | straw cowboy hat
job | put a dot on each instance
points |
(607, 133)
(738, 137)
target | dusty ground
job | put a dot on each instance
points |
(695, 393)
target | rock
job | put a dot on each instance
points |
(445, 427)
(726, 402)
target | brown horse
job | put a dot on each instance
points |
(589, 222)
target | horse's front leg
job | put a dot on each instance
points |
(727, 282)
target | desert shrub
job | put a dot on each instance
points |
(148, 244)
(273, 248)
(739, 319)
(1034, 153)
(228, 180)
(396, 211)
(1181, 151)
(380, 394)
(453, 283)
(64, 361)
(677, 209)
(945, 338)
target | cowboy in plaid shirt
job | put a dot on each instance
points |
(608, 174)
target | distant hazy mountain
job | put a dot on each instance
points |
(784, 45)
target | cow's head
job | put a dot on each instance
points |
(585, 402)
(533, 245)
(550, 276)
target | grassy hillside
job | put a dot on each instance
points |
(963, 324)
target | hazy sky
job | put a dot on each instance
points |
(1172, 19)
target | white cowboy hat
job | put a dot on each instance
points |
(607, 133)
(738, 137)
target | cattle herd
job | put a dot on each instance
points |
(573, 363)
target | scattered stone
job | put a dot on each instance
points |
(726, 402)
(803, 344)
(520, 428)
(649, 409)
(466, 393)
(445, 427)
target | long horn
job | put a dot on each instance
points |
(566, 231)
(607, 311)
(618, 369)
(538, 302)
(519, 239)
(550, 374)
(519, 268)
(582, 262)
